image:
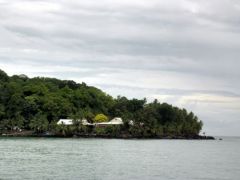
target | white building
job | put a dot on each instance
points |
(65, 122)
(70, 122)
(114, 121)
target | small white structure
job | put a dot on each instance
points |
(114, 121)
(65, 122)
(70, 122)
(131, 122)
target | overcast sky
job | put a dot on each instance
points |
(184, 52)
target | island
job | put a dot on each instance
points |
(49, 107)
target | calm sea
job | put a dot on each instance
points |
(113, 159)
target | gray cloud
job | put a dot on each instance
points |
(185, 52)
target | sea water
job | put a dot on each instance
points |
(116, 159)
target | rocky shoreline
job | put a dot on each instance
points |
(106, 136)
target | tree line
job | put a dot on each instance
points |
(38, 103)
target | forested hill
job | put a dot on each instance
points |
(33, 102)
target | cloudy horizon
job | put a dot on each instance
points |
(184, 52)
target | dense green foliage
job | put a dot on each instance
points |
(38, 103)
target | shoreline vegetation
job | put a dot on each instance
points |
(103, 136)
(32, 107)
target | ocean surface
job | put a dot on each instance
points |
(114, 159)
